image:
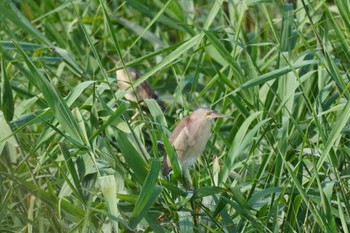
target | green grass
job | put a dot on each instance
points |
(75, 156)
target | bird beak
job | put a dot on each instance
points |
(218, 115)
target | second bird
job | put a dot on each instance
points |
(126, 77)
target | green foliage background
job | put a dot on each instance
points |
(77, 157)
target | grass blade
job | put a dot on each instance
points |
(149, 194)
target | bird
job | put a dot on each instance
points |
(190, 138)
(126, 77)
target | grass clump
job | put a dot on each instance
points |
(76, 156)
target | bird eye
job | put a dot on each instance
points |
(207, 113)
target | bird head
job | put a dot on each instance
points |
(207, 114)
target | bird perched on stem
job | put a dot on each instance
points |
(190, 137)
(126, 77)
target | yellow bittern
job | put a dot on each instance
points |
(190, 137)
(126, 77)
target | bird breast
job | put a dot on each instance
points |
(191, 142)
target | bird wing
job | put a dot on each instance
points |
(145, 91)
(182, 124)
(180, 138)
(177, 139)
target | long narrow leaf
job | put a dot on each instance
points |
(149, 193)
(132, 157)
(6, 98)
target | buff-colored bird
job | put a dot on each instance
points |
(126, 77)
(190, 138)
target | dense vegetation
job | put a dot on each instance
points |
(77, 157)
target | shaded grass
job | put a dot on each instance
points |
(75, 157)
